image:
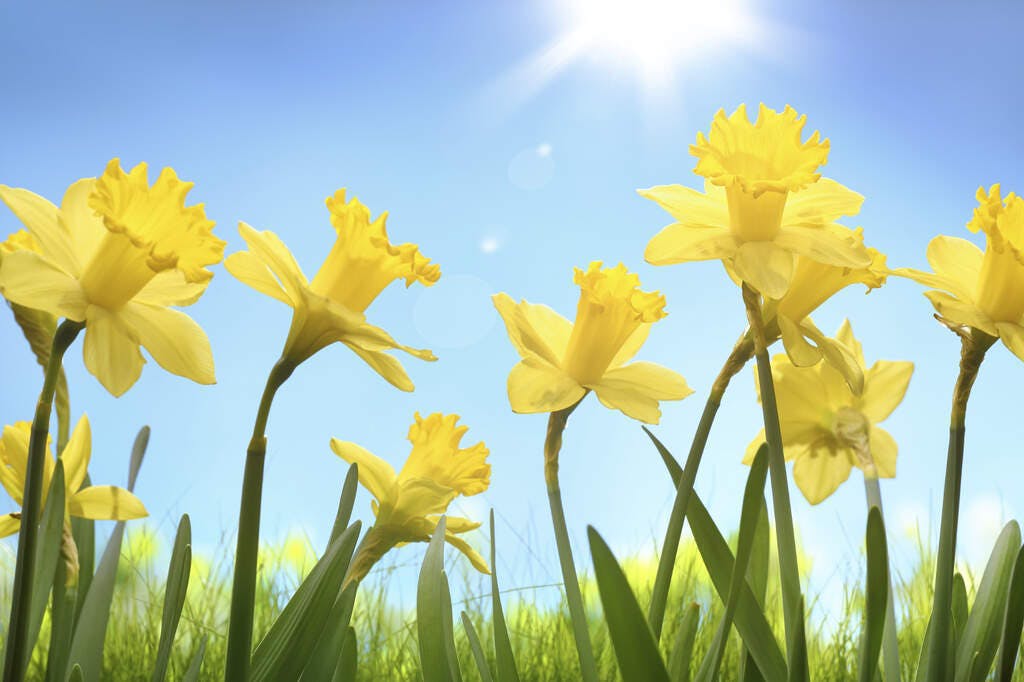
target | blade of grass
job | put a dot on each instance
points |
(174, 596)
(1010, 643)
(196, 665)
(431, 598)
(349, 660)
(346, 501)
(876, 595)
(503, 656)
(324, 659)
(47, 552)
(478, 651)
(682, 647)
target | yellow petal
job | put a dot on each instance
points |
(961, 312)
(754, 446)
(636, 390)
(385, 365)
(14, 458)
(820, 203)
(536, 386)
(171, 288)
(28, 279)
(819, 473)
(437, 454)
(690, 207)
(478, 562)
(106, 502)
(419, 497)
(765, 267)
(680, 243)
(375, 474)
(85, 227)
(837, 356)
(885, 384)
(42, 219)
(111, 353)
(1013, 337)
(958, 262)
(845, 336)
(76, 455)
(175, 341)
(9, 525)
(883, 452)
(802, 400)
(269, 248)
(631, 347)
(535, 330)
(830, 244)
(799, 351)
(249, 269)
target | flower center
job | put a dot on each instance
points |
(755, 218)
(117, 271)
(853, 430)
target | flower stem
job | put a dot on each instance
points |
(18, 646)
(974, 345)
(243, 589)
(578, 615)
(890, 640)
(789, 574)
(740, 355)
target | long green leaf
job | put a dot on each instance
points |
(174, 595)
(635, 648)
(504, 657)
(454, 668)
(985, 622)
(431, 598)
(349, 660)
(47, 552)
(798, 670)
(876, 595)
(286, 648)
(477, 648)
(62, 625)
(324, 659)
(84, 533)
(196, 666)
(757, 576)
(682, 646)
(346, 502)
(1012, 623)
(714, 551)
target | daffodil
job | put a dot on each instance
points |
(764, 203)
(331, 308)
(827, 429)
(409, 504)
(114, 256)
(977, 289)
(562, 360)
(91, 502)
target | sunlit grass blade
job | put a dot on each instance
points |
(86, 650)
(876, 595)
(635, 648)
(348, 662)
(196, 665)
(1009, 645)
(477, 648)
(47, 552)
(682, 645)
(174, 595)
(757, 577)
(286, 648)
(714, 551)
(324, 659)
(504, 658)
(433, 628)
(346, 501)
(750, 513)
(984, 626)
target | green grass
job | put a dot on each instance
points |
(540, 630)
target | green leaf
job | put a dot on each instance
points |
(985, 622)
(195, 667)
(757, 576)
(48, 549)
(62, 624)
(76, 674)
(478, 651)
(138, 454)
(346, 501)
(876, 595)
(174, 595)
(799, 671)
(84, 532)
(635, 648)
(434, 614)
(504, 658)
(349, 660)
(1012, 622)
(958, 605)
(286, 648)
(682, 646)
(324, 659)
(714, 551)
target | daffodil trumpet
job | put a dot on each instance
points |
(17, 649)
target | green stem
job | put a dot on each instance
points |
(789, 571)
(17, 649)
(741, 353)
(890, 639)
(578, 615)
(974, 345)
(243, 588)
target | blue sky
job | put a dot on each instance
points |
(436, 112)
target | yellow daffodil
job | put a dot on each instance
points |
(92, 502)
(983, 290)
(331, 308)
(764, 203)
(409, 504)
(562, 360)
(827, 429)
(115, 255)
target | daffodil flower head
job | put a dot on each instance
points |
(764, 203)
(408, 504)
(977, 289)
(92, 502)
(116, 255)
(360, 265)
(827, 429)
(562, 360)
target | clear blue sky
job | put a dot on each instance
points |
(437, 113)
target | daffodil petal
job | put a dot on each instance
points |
(548, 342)
(1013, 337)
(425, 496)
(76, 455)
(171, 288)
(15, 459)
(764, 266)
(885, 384)
(535, 386)
(845, 336)
(474, 557)
(683, 243)
(111, 352)
(961, 312)
(958, 262)
(828, 244)
(249, 269)
(819, 473)
(385, 365)
(837, 356)
(42, 219)
(690, 207)
(631, 347)
(269, 248)
(28, 279)
(174, 339)
(931, 280)
(800, 353)
(883, 452)
(376, 475)
(636, 390)
(9, 525)
(820, 203)
(80, 220)
(106, 502)
(800, 398)
(751, 452)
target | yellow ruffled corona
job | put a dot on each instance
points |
(978, 289)
(763, 205)
(827, 429)
(562, 360)
(116, 255)
(409, 504)
(99, 502)
(331, 308)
